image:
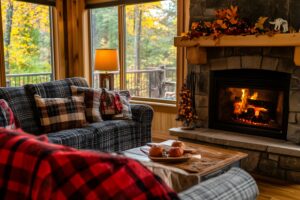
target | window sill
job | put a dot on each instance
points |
(158, 106)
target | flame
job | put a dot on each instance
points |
(254, 96)
(243, 106)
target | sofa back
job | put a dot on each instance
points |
(21, 99)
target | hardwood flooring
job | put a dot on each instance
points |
(273, 189)
(270, 189)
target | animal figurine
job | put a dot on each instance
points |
(260, 23)
(279, 22)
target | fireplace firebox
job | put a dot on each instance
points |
(250, 101)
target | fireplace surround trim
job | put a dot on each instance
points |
(196, 47)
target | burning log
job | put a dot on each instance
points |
(259, 103)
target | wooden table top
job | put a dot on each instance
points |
(212, 158)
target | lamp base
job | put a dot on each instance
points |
(107, 81)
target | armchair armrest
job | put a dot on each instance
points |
(142, 113)
(234, 184)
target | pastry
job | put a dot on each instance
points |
(175, 152)
(178, 144)
(156, 151)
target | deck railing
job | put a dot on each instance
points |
(15, 80)
(150, 83)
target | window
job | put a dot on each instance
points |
(27, 42)
(149, 54)
(104, 35)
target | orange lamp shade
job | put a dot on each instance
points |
(106, 60)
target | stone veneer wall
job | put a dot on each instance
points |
(275, 59)
(250, 9)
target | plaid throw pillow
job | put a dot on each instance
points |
(7, 119)
(61, 113)
(125, 94)
(126, 109)
(92, 102)
(110, 103)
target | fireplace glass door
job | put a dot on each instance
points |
(252, 107)
(250, 101)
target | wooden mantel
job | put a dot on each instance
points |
(196, 48)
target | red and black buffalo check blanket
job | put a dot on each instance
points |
(32, 168)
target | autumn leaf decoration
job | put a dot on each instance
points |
(227, 22)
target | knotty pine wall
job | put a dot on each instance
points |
(164, 119)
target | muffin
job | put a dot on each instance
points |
(156, 151)
(175, 152)
(178, 144)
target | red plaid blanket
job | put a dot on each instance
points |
(32, 168)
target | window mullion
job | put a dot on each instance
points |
(52, 44)
(122, 45)
(2, 65)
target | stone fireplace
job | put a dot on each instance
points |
(271, 59)
(271, 82)
(265, 74)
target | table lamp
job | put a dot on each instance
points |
(106, 60)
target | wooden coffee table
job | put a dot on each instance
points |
(180, 176)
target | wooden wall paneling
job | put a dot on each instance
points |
(58, 21)
(77, 36)
(2, 63)
(183, 26)
(87, 65)
(163, 121)
(122, 45)
(72, 31)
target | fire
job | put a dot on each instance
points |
(243, 106)
(254, 96)
(240, 106)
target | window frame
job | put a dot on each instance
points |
(181, 63)
(53, 39)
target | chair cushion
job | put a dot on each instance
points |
(61, 113)
(110, 136)
(7, 119)
(92, 102)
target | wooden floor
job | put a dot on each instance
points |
(270, 189)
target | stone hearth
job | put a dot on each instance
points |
(267, 156)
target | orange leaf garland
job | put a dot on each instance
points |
(228, 22)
